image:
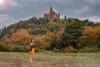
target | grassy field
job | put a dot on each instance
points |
(49, 59)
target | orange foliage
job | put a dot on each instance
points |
(19, 35)
(90, 35)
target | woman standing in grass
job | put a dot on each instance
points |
(32, 50)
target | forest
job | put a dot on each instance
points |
(57, 35)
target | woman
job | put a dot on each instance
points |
(32, 50)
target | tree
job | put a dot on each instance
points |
(21, 37)
(90, 36)
(71, 34)
(54, 41)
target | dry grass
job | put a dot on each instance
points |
(49, 59)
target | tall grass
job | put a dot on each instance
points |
(49, 59)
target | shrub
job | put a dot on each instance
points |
(89, 50)
(21, 49)
(56, 50)
(38, 50)
(70, 49)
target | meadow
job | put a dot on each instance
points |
(49, 59)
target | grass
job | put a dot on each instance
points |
(49, 59)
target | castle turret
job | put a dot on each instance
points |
(51, 9)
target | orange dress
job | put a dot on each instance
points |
(32, 53)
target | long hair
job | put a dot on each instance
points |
(32, 39)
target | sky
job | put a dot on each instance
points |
(12, 11)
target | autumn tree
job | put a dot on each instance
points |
(21, 36)
(90, 36)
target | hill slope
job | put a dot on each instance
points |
(50, 34)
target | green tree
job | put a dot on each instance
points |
(71, 34)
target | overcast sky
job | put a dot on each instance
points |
(24, 9)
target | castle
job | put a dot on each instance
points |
(52, 14)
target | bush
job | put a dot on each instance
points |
(89, 50)
(56, 50)
(38, 50)
(21, 49)
(5, 47)
(70, 49)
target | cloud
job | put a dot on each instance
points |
(21, 9)
(5, 20)
(3, 17)
(13, 3)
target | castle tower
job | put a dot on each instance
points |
(51, 9)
